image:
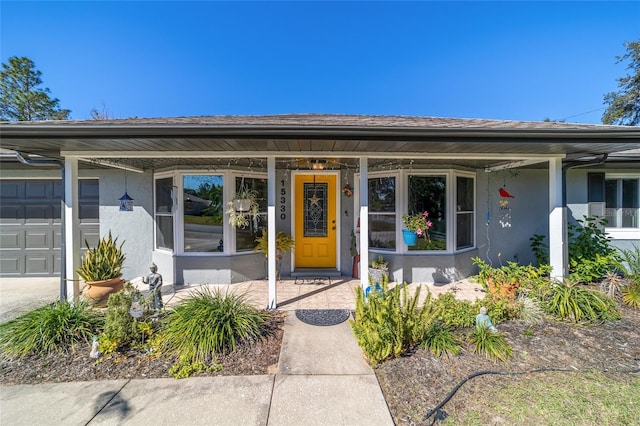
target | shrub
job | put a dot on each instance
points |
(439, 339)
(184, 368)
(492, 345)
(591, 254)
(455, 313)
(120, 326)
(52, 328)
(209, 322)
(388, 322)
(579, 304)
(631, 294)
(509, 279)
(540, 249)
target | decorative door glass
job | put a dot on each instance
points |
(315, 210)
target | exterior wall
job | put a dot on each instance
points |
(135, 228)
(501, 239)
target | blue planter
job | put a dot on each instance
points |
(410, 237)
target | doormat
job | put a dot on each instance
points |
(322, 317)
(313, 280)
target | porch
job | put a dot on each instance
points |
(19, 295)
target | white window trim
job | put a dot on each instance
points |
(402, 182)
(616, 233)
(156, 176)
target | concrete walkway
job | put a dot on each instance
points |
(322, 379)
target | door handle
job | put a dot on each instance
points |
(333, 228)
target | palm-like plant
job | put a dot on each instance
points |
(103, 262)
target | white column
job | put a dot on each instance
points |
(558, 238)
(271, 229)
(364, 222)
(72, 229)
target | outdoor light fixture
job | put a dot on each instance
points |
(318, 165)
(126, 203)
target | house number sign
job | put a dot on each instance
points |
(283, 200)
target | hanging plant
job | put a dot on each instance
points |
(243, 208)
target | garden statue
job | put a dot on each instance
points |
(483, 319)
(154, 280)
(95, 352)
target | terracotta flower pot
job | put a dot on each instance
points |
(99, 291)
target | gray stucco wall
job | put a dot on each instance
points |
(503, 235)
(135, 228)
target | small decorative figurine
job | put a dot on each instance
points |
(483, 319)
(154, 280)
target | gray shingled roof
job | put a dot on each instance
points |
(325, 120)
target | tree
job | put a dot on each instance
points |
(20, 97)
(624, 105)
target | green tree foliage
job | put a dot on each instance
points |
(624, 105)
(20, 97)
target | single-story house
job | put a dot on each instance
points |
(338, 184)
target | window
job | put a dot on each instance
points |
(429, 193)
(465, 195)
(621, 202)
(382, 212)
(164, 213)
(246, 237)
(202, 202)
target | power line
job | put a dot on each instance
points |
(582, 113)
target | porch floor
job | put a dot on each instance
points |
(330, 293)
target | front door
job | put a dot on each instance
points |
(315, 221)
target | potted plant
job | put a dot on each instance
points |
(284, 244)
(416, 225)
(243, 208)
(101, 270)
(378, 268)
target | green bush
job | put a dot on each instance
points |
(527, 279)
(184, 368)
(120, 326)
(579, 304)
(493, 345)
(209, 322)
(454, 312)
(52, 328)
(591, 254)
(388, 322)
(440, 340)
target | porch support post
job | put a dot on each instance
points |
(271, 229)
(364, 222)
(71, 229)
(558, 238)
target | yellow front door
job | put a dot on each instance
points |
(315, 217)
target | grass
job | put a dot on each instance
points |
(551, 399)
(50, 328)
(210, 322)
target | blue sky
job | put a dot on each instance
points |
(501, 60)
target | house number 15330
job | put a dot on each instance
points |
(283, 200)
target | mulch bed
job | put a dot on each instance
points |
(259, 358)
(416, 383)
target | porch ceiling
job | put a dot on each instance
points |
(246, 140)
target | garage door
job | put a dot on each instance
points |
(30, 225)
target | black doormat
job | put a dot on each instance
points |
(322, 317)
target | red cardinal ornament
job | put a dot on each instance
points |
(505, 194)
